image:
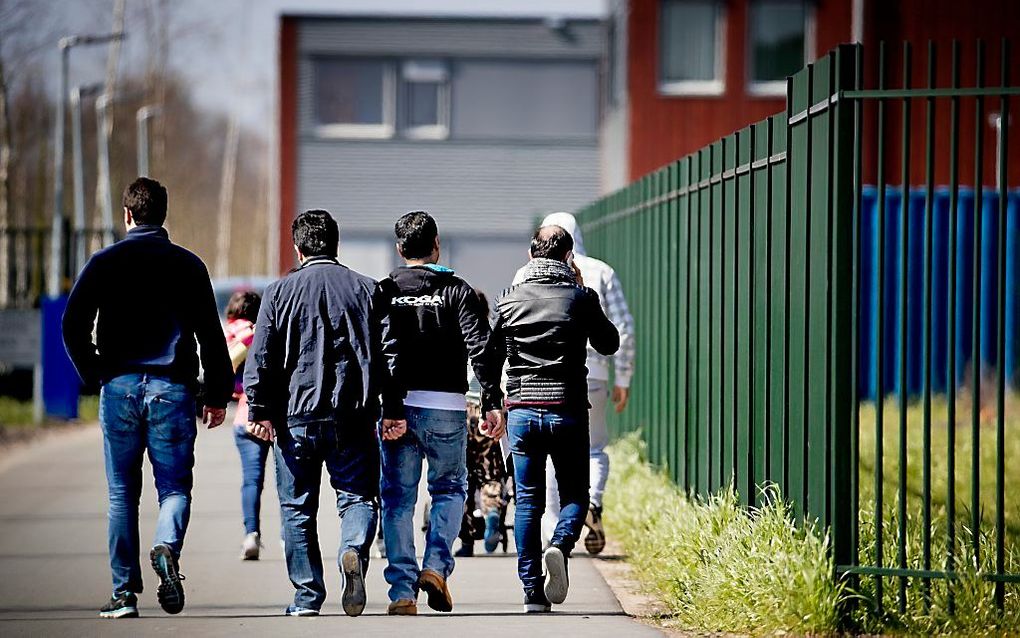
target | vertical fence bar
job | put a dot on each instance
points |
(768, 300)
(690, 398)
(904, 311)
(879, 347)
(1000, 359)
(806, 361)
(749, 486)
(787, 213)
(954, 141)
(855, 422)
(735, 318)
(929, 201)
(975, 354)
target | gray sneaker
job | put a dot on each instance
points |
(556, 583)
(251, 546)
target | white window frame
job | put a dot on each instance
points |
(777, 88)
(441, 130)
(716, 87)
(385, 130)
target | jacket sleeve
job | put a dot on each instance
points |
(264, 363)
(493, 356)
(601, 332)
(619, 314)
(474, 326)
(77, 323)
(219, 373)
(385, 351)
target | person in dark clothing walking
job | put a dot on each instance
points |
(438, 322)
(543, 327)
(146, 364)
(321, 356)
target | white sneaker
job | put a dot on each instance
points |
(556, 583)
(251, 547)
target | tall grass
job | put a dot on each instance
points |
(18, 414)
(928, 607)
(718, 567)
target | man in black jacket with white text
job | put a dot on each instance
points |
(438, 323)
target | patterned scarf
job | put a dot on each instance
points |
(547, 271)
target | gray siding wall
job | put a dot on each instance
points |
(474, 187)
(480, 38)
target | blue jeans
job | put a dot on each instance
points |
(536, 434)
(440, 436)
(139, 413)
(301, 451)
(254, 453)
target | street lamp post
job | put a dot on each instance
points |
(142, 117)
(57, 233)
(77, 94)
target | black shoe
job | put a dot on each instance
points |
(171, 591)
(556, 582)
(535, 602)
(467, 550)
(123, 606)
(353, 599)
(595, 541)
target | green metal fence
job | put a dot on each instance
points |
(741, 262)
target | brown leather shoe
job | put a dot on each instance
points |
(403, 607)
(434, 586)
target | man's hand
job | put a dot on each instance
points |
(212, 417)
(621, 396)
(494, 425)
(393, 429)
(262, 430)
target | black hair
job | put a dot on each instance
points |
(551, 242)
(316, 233)
(416, 234)
(244, 304)
(146, 199)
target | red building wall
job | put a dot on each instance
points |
(665, 127)
(288, 138)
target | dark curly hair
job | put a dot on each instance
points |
(316, 233)
(244, 304)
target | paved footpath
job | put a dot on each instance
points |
(54, 571)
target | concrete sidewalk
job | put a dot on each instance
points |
(54, 572)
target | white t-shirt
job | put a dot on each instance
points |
(432, 400)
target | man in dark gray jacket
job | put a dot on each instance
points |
(543, 328)
(321, 357)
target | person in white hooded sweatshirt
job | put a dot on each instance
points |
(599, 276)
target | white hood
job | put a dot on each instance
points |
(567, 222)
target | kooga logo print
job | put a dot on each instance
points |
(423, 300)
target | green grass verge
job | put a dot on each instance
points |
(715, 567)
(18, 414)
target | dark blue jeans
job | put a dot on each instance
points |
(440, 437)
(254, 453)
(139, 413)
(536, 434)
(353, 466)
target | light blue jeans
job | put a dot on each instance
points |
(139, 413)
(440, 436)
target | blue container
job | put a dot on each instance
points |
(985, 297)
(60, 384)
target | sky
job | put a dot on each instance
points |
(226, 49)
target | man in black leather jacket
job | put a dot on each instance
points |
(543, 328)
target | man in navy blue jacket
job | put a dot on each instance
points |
(321, 357)
(144, 358)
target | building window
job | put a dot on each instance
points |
(426, 99)
(779, 33)
(691, 47)
(354, 97)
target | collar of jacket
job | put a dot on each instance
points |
(148, 231)
(550, 271)
(319, 259)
